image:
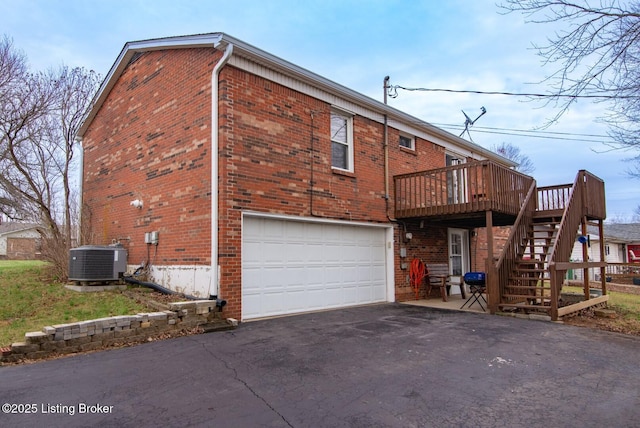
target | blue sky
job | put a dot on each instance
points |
(457, 44)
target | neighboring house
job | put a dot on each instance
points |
(19, 241)
(276, 189)
(621, 244)
(626, 236)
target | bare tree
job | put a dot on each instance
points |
(597, 56)
(40, 114)
(76, 88)
(511, 152)
(25, 101)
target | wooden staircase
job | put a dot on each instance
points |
(528, 287)
(528, 273)
(531, 269)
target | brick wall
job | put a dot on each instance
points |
(479, 246)
(151, 141)
(429, 243)
(22, 248)
(272, 140)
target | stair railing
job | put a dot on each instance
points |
(514, 247)
(574, 211)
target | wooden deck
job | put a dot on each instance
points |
(468, 190)
(462, 194)
(485, 194)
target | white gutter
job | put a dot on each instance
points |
(215, 268)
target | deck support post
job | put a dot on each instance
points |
(493, 288)
(555, 291)
(603, 268)
(585, 258)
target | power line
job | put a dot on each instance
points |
(526, 131)
(562, 136)
(559, 136)
(393, 93)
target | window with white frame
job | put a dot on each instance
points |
(407, 142)
(341, 141)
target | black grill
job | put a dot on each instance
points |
(475, 278)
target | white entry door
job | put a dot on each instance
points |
(458, 257)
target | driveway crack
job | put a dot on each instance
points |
(243, 382)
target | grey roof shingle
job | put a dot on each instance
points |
(15, 227)
(623, 232)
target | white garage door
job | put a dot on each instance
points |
(296, 266)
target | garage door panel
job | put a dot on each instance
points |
(348, 255)
(297, 266)
(332, 253)
(365, 273)
(251, 281)
(272, 251)
(378, 272)
(271, 279)
(333, 297)
(252, 306)
(291, 276)
(350, 274)
(271, 303)
(331, 234)
(350, 293)
(333, 275)
(315, 252)
(296, 300)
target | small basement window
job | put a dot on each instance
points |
(407, 142)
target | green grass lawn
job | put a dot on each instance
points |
(29, 301)
(627, 304)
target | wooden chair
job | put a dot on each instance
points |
(438, 276)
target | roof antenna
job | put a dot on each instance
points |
(468, 122)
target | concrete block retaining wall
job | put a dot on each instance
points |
(112, 331)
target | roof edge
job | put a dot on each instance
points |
(218, 40)
(128, 51)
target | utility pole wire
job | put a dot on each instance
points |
(393, 93)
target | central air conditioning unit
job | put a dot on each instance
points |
(97, 263)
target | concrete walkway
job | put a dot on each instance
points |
(389, 365)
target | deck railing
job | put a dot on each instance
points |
(554, 198)
(594, 198)
(463, 188)
(579, 206)
(623, 270)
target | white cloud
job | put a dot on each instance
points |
(455, 44)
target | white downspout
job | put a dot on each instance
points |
(80, 193)
(215, 268)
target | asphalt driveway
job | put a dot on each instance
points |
(388, 365)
